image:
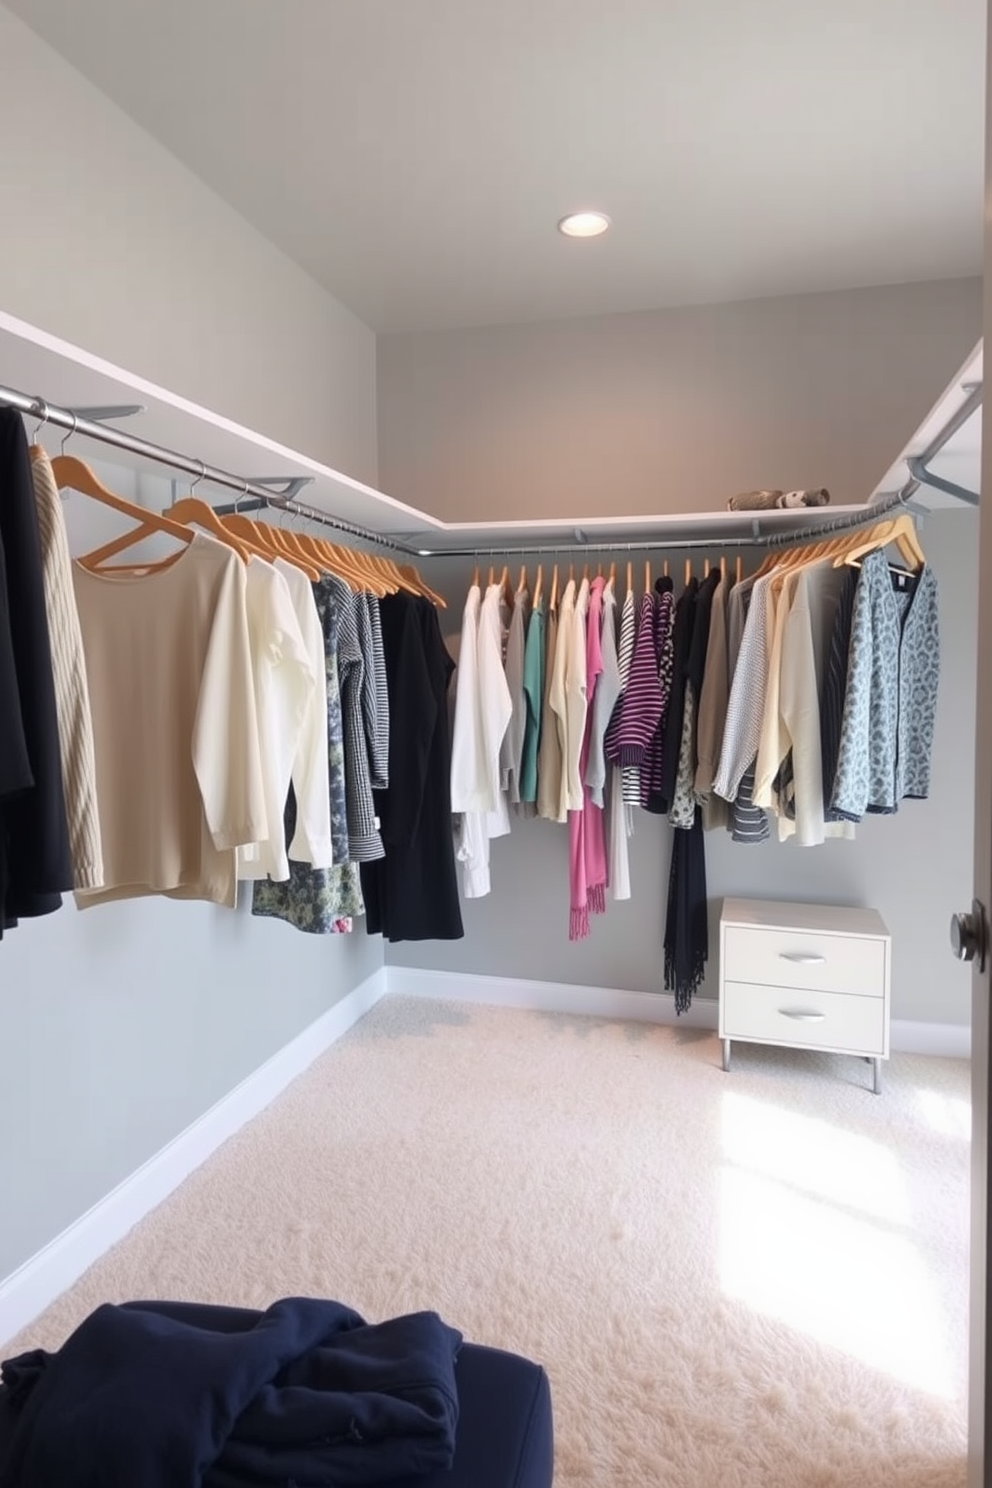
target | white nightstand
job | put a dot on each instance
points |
(809, 976)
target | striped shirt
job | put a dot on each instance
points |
(375, 698)
(664, 646)
(642, 702)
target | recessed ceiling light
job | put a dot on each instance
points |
(584, 224)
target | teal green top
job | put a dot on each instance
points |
(533, 693)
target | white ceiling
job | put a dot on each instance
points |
(415, 155)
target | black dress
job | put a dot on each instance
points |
(412, 893)
(35, 861)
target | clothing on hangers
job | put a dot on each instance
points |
(587, 836)
(35, 851)
(534, 657)
(549, 756)
(311, 840)
(712, 711)
(284, 683)
(890, 701)
(511, 753)
(72, 696)
(411, 893)
(179, 779)
(651, 796)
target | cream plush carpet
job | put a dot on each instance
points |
(757, 1278)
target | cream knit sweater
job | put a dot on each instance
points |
(72, 698)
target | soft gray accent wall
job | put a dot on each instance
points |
(669, 411)
(915, 868)
(109, 242)
(120, 1025)
(123, 1023)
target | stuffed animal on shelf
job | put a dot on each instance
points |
(768, 500)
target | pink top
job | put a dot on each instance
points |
(586, 833)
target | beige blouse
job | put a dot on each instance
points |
(179, 779)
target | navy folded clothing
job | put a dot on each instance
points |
(183, 1395)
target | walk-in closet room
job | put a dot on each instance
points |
(495, 744)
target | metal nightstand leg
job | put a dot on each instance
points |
(726, 1054)
(877, 1085)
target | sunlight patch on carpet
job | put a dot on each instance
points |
(815, 1232)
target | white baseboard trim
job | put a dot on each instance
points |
(952, 1040)
(30, 1289)
(548, 997)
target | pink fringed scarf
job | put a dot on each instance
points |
(587, 864)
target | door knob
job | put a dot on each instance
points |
(970, 935)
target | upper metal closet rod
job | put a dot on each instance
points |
(794, 537)
(65, 418)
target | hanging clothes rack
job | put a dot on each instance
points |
(261, 494)
(257, 493)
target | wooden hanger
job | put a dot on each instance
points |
(613, 575)
(739, 568)
(688, 570)
(522, 582)
(193, 512)
(263, 533)
(410, 572)
(571, 573)
(538, 584)
(73, 474)
(665, 568)
(706, 568)
(553, 602)
(901, 530)
(630, 577)
(647, 576)
(723, 567)
(475, 575)
(366, 571)
(585, 574)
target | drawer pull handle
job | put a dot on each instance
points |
(803, 958)
(802, 1015)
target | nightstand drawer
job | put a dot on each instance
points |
(802, 1018)
(804, 959)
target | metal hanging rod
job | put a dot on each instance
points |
(755, 539)
(312, 514)
(260, 491)
(920, 475)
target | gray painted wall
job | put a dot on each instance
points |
(915, 868)
(670, 411)
(120, 1026)
(109, 242)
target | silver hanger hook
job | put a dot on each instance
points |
(45, 416)
(195, 483)
(67, 437)
(239, 496)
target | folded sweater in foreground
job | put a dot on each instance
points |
(179, 1395)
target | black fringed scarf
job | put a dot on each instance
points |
(686, 929)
